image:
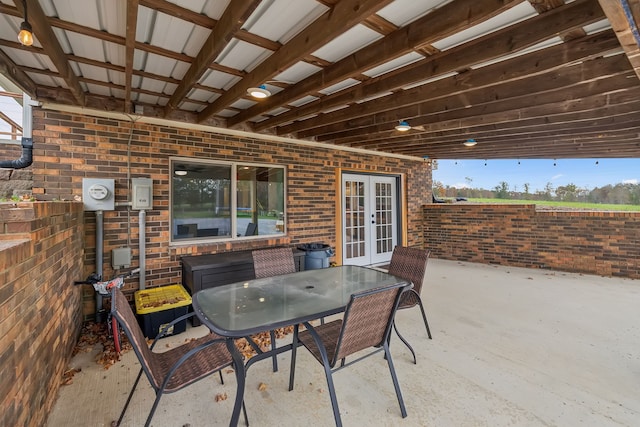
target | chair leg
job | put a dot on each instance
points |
(424, 317)
(294, 347)
(126, 405)
(272, 335)
(395, 328)
(154, 407)
(396, 384)
(244, 411)
(332, 394)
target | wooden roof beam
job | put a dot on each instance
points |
(442, 22)
(130, 41)
(14, 73)
(343, 16)
(491, 46)
(515, 123)
(229, 24)
(542, 61)
(626, 23)
(47, 38)
(594, 77)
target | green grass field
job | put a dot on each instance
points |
(571, 205)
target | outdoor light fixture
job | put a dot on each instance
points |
(180, 173)
(259, 92)
(25, 36)
(470, 143)
(403, 126)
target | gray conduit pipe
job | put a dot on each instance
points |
(99, 261)
(142, 238)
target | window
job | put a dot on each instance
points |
(211, 200)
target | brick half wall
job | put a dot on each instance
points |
(41, 254)
(594, 242)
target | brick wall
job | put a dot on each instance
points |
(602, 243)
(40, 317)
(69, 147)
(14, 182)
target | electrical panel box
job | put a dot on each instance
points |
(120, 258)
(98, 194)
(142, 193)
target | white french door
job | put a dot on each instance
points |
(369, 218)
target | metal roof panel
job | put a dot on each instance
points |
(394, 64)
(403, 12)
(281, 20)
(509, 17)
(346, 43)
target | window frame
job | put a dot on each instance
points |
(234, 167)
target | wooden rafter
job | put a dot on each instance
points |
(623, 22)
(452, 17)
(575, 97)
(512, 70)
(483, 49)
(47, 38)
(590, 77)
(343, 16)
(130, 40)
(228, 25)
(17, 75)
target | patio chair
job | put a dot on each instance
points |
(268, 263)
(273, 262)
(410, 264)
(176, 368)
(366, 324)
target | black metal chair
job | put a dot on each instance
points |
(366, 324)
(410, 264)
(176, 368)
(268, 263)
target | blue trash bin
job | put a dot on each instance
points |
(316, 255)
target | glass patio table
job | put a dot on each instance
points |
(239, 310)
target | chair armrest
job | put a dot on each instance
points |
(166, 327)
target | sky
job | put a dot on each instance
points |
(584, 173)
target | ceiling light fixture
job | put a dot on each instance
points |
(25, 36)
(403, 126)
(180, 173)
(259, 92)
(470, 142)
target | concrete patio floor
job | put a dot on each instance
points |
(511, 347)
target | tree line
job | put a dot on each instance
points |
(623, 194)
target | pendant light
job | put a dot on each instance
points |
(403, 126)
(259, 92)
(470, 142)
(25, 36)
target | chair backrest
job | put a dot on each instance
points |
(122, 311)
(367, 319)
(273, 262)
(251, 229)
(409, 264)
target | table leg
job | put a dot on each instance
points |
(238, 361)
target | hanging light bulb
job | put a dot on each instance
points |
(25, 36)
